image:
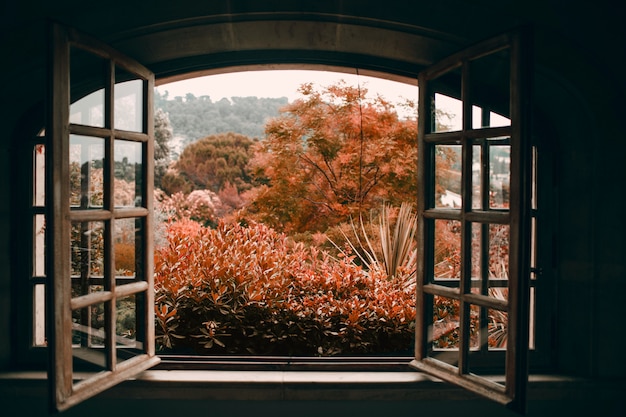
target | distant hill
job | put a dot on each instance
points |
(194, 117)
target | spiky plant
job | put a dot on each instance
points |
(395, 240)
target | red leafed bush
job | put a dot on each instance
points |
(251, 290)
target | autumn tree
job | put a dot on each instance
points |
(334, 153)
(215, 163)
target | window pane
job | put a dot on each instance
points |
(498, 329)
(128, 168)
(126, 337)
(477, 117)
(448, 112)
(491, 84)
(477, 171)
(39, 315)
(499, 175)
(86, 171)
(532, 318)
(88, 338)
(39, 260)
(129, 94)
(477, 252)
(87, 249)
(494, 256)
(39, 175)
(447, 251)
(493, 344)
(533, 246)
(474, 327)
(448, 176)
(125, 244)
(87, 92)
(533, 183)
(446, 316)
(498, 252)
(89, 110)
(497, 120)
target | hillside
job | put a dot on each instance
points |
(194, 117)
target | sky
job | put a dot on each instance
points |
(285, 83)
(281, 83)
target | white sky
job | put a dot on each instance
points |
(282, 83)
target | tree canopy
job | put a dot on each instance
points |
(332, 154)
(214, 163)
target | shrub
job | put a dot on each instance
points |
(237, 290)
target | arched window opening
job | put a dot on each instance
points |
(237, 273)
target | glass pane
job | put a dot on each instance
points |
(474, 330)
(448, 176)
(39, 260)
(477, 170)
(533, 246)
(87, 83)
(532, 318)
(447, 251)
(39, 315)
(86, 171)
(493, 346)
(448, 113)
(499, 176)
(533, 183)
(498, 329)
(446, 315)
(129, 97)
(128, 166)
(498, 254)
(446, 107)
(493, 281)
(39, 175)
(490, 85)
(88, 338)
(125, 232)
(126, 329)
(87, 255)
(477, 117)
(497, 120)
(477, 245)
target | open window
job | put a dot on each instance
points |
(96, 218)
(487, 165)
(99, 168)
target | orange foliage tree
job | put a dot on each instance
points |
(332, 154)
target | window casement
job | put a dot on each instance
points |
(93, 220)
(485, 280)
(99, 162)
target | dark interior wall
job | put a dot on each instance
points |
(579, 55)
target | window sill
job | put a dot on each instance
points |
(301, 386)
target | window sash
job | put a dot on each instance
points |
(512, 392)
(63, 390)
